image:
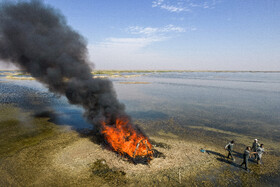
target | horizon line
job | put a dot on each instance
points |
(160, 70)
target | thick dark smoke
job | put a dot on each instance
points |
(37, 39)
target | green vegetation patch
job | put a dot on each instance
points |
(160, 144)
(19, 130)
(112, 176)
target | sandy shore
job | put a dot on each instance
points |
(71, 157)
(63, 157)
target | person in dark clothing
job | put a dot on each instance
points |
(229, 148)
(246, 156)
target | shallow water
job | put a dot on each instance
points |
(248, 102)
(243, 102)
(35, 97)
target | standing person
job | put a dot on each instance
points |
(255, 146)
(260, 151)
(246, 156)
(229, 148)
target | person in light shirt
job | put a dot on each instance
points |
(229, 148)
(255, 146)
(260, 151)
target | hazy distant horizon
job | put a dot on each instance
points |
(12, 67)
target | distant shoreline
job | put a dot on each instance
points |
(166, 71)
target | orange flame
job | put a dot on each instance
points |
(124, 139)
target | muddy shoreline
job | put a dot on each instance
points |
(62, 156)
(180, 119)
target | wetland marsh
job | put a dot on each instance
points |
(46, 141)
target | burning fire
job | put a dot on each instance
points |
(126, 140)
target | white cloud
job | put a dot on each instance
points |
(142, 30)
(168, 7)
(125, 53)
(170, 28)
(205, 5)
(157, 3)
(155, 31)
(118, 53)
(172, 8)
(131, 44)
(184, 6)
(121, 53)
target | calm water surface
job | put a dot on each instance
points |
(242, 102)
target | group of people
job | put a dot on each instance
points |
(256, 151)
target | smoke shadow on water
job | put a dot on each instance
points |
(41, 103)
(72, 117)
(66, 116)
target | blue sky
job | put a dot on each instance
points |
(178, 34)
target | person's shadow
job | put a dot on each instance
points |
(229, 162)
(237, 155)
(240, 155)
(215, 153)
(222, 158)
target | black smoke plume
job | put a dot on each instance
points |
(37, 39)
